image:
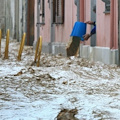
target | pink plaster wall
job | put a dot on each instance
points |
(103, 25)
(63, 31)
(87, 17)
(44, 29)
(114, 25)
(107, 24)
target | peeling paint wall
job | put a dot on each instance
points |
(21, 18)
(13, 16)
(9, 6)
(2, 17)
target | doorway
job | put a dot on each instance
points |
(30, 22)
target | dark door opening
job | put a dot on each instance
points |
(30, 22)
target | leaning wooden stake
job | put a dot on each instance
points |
(39, 51)
(0, 41)
(21, 47)
(7, 45)
(36, 51)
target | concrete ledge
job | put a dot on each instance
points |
(53, 48)
(45, 47)
(84, 51)
(115, 56)
(59, 48)
(102, 54)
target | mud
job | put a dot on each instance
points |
(61, 88)
(67, 114)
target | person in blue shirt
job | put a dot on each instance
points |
(93, 31)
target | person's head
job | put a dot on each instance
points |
(94, 8)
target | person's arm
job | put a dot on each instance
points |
(90, 22)
(93, 31)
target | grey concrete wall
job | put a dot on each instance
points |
(10, 16)
(16, 35)
(22, 21)
(2, 7)
(13, 16)
(102, 54)
(2, 17)
(59, 48)
(24, 16)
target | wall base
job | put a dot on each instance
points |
(102, 54)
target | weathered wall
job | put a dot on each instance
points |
(20, 18)
(106, 36)
(2, 17)
(107, 25)
(56, 35)
(10, 16)
(103, 25)
(13, 17)
(63, 31)
(106, 49)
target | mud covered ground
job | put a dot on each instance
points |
(61, 88)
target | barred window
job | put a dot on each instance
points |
(42, 11)
(107, 6)
(58, 11)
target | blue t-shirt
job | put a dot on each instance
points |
(93, 31)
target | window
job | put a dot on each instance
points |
(107, 6)
(58, 11)
(42, 11)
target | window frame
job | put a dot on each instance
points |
(58, 11)
(42, 12)
(107, 6)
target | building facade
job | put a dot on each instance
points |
(18, 17)
(54, 21)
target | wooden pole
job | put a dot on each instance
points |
(21, 47)
(0, 41)
(7, 45)
(36, 52)
(39, 51)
